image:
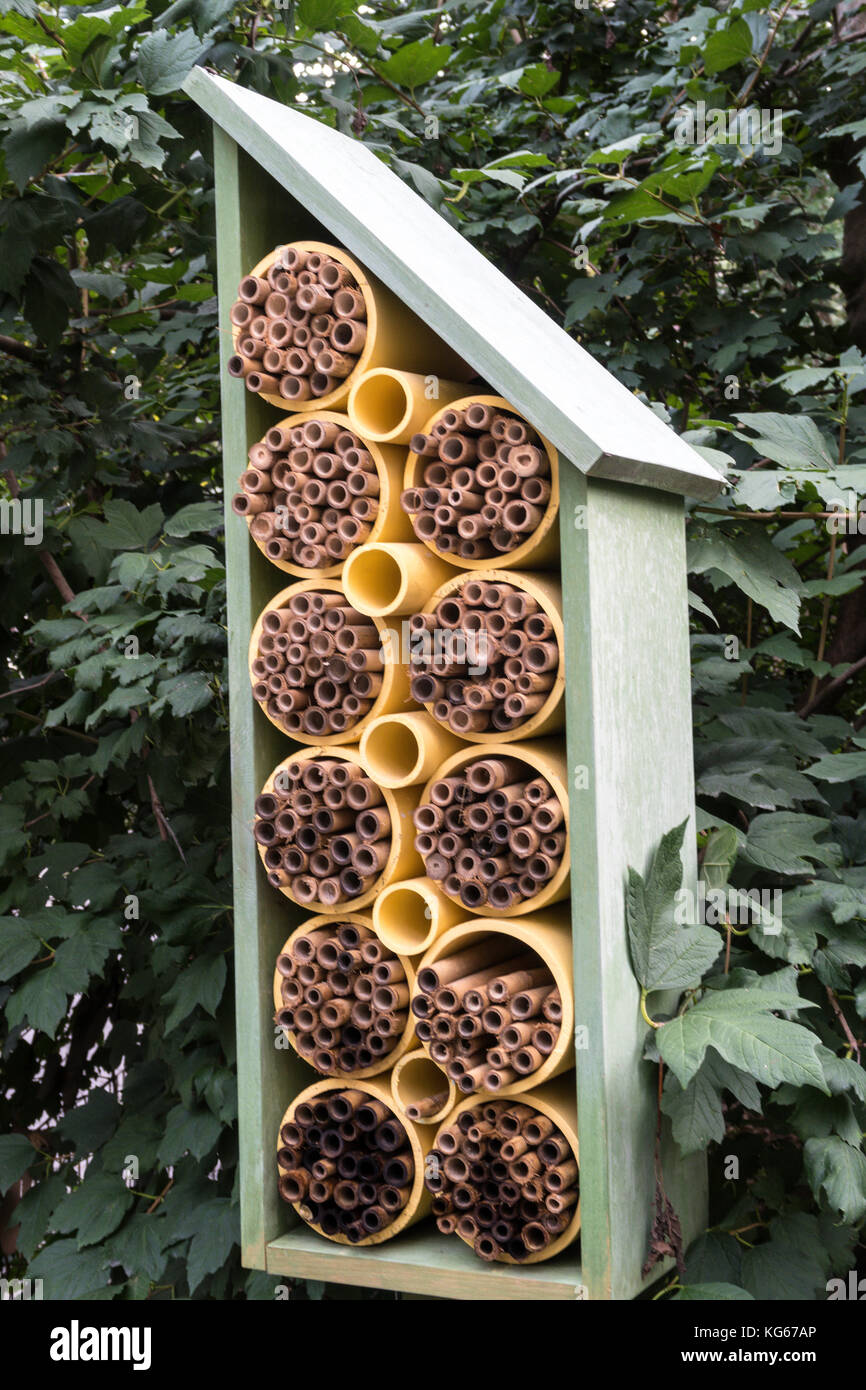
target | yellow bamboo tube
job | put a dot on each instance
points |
(407, 1039)
(547, 592)
(390, 579)
(402, 750)
(420, 1141)
(394, 694)
(538, 550)
(547, 757)
(394, 333)
(390, 406)
(557, 1101)
(409, 916)
(403, 859)
(390, 523)
(549, 935)
(416, 1078)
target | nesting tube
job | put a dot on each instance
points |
(494, 827)
(481, 487)
(510, 1173)
(317, 305)
(328, 837)
(372, 1162)
(402, 750)
(408, 916)
(327, 1002)
(497, 1002)
(391, 579)
(392, 406)
(422, 1091)
(315, 490)
(320, 670)
(486, 655)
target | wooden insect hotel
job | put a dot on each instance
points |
(460, 709)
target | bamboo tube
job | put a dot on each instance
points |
(391, 406)
(418, 1201)
(405, 1040)
(392, 693)
(402, 750)
(541, 590)
(539, 549)
(403, 860)
(390, 522)
(392, 333)
(543, 757)
(410, 915)
(555, 1102)
(389, 579)
(546, 933)
(422, 1092)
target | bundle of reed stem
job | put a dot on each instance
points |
(485, 482)
(311, 493)
(505, 1178)
(486, 658)
(344, 997)
(325, 830)
(492, 833)
(488, 1015)
(301, 329)
(318, 667)
(346, 1163)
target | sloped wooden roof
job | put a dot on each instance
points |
(594, 421)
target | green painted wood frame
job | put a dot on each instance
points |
(630, 751)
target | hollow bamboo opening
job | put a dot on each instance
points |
(390, 406)
(390, 579)
(404, 749)
(419, 1086)
(409, 916)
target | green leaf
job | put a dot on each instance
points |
(320, 16)
(202, 982)
(739, 1025)
(188, 1131)
(219, 1230)
(415, 63)
(792, 440)
(695, 1111)
(41, 1000)
(138, 1247)
(538, 79)
(728, 46)
(69, 1273)
(839, 767)
(127, 528)
(786, 843)
(665, 954)
(198, 516)
(164, 59)
(18, 946)
(16, 1155)
(720, 854)
(754, 564)
(94, 1209)
(90, 1125)
(837, 1170)
(33, 1212)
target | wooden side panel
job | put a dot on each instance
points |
(253, 214)
(630, 762)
